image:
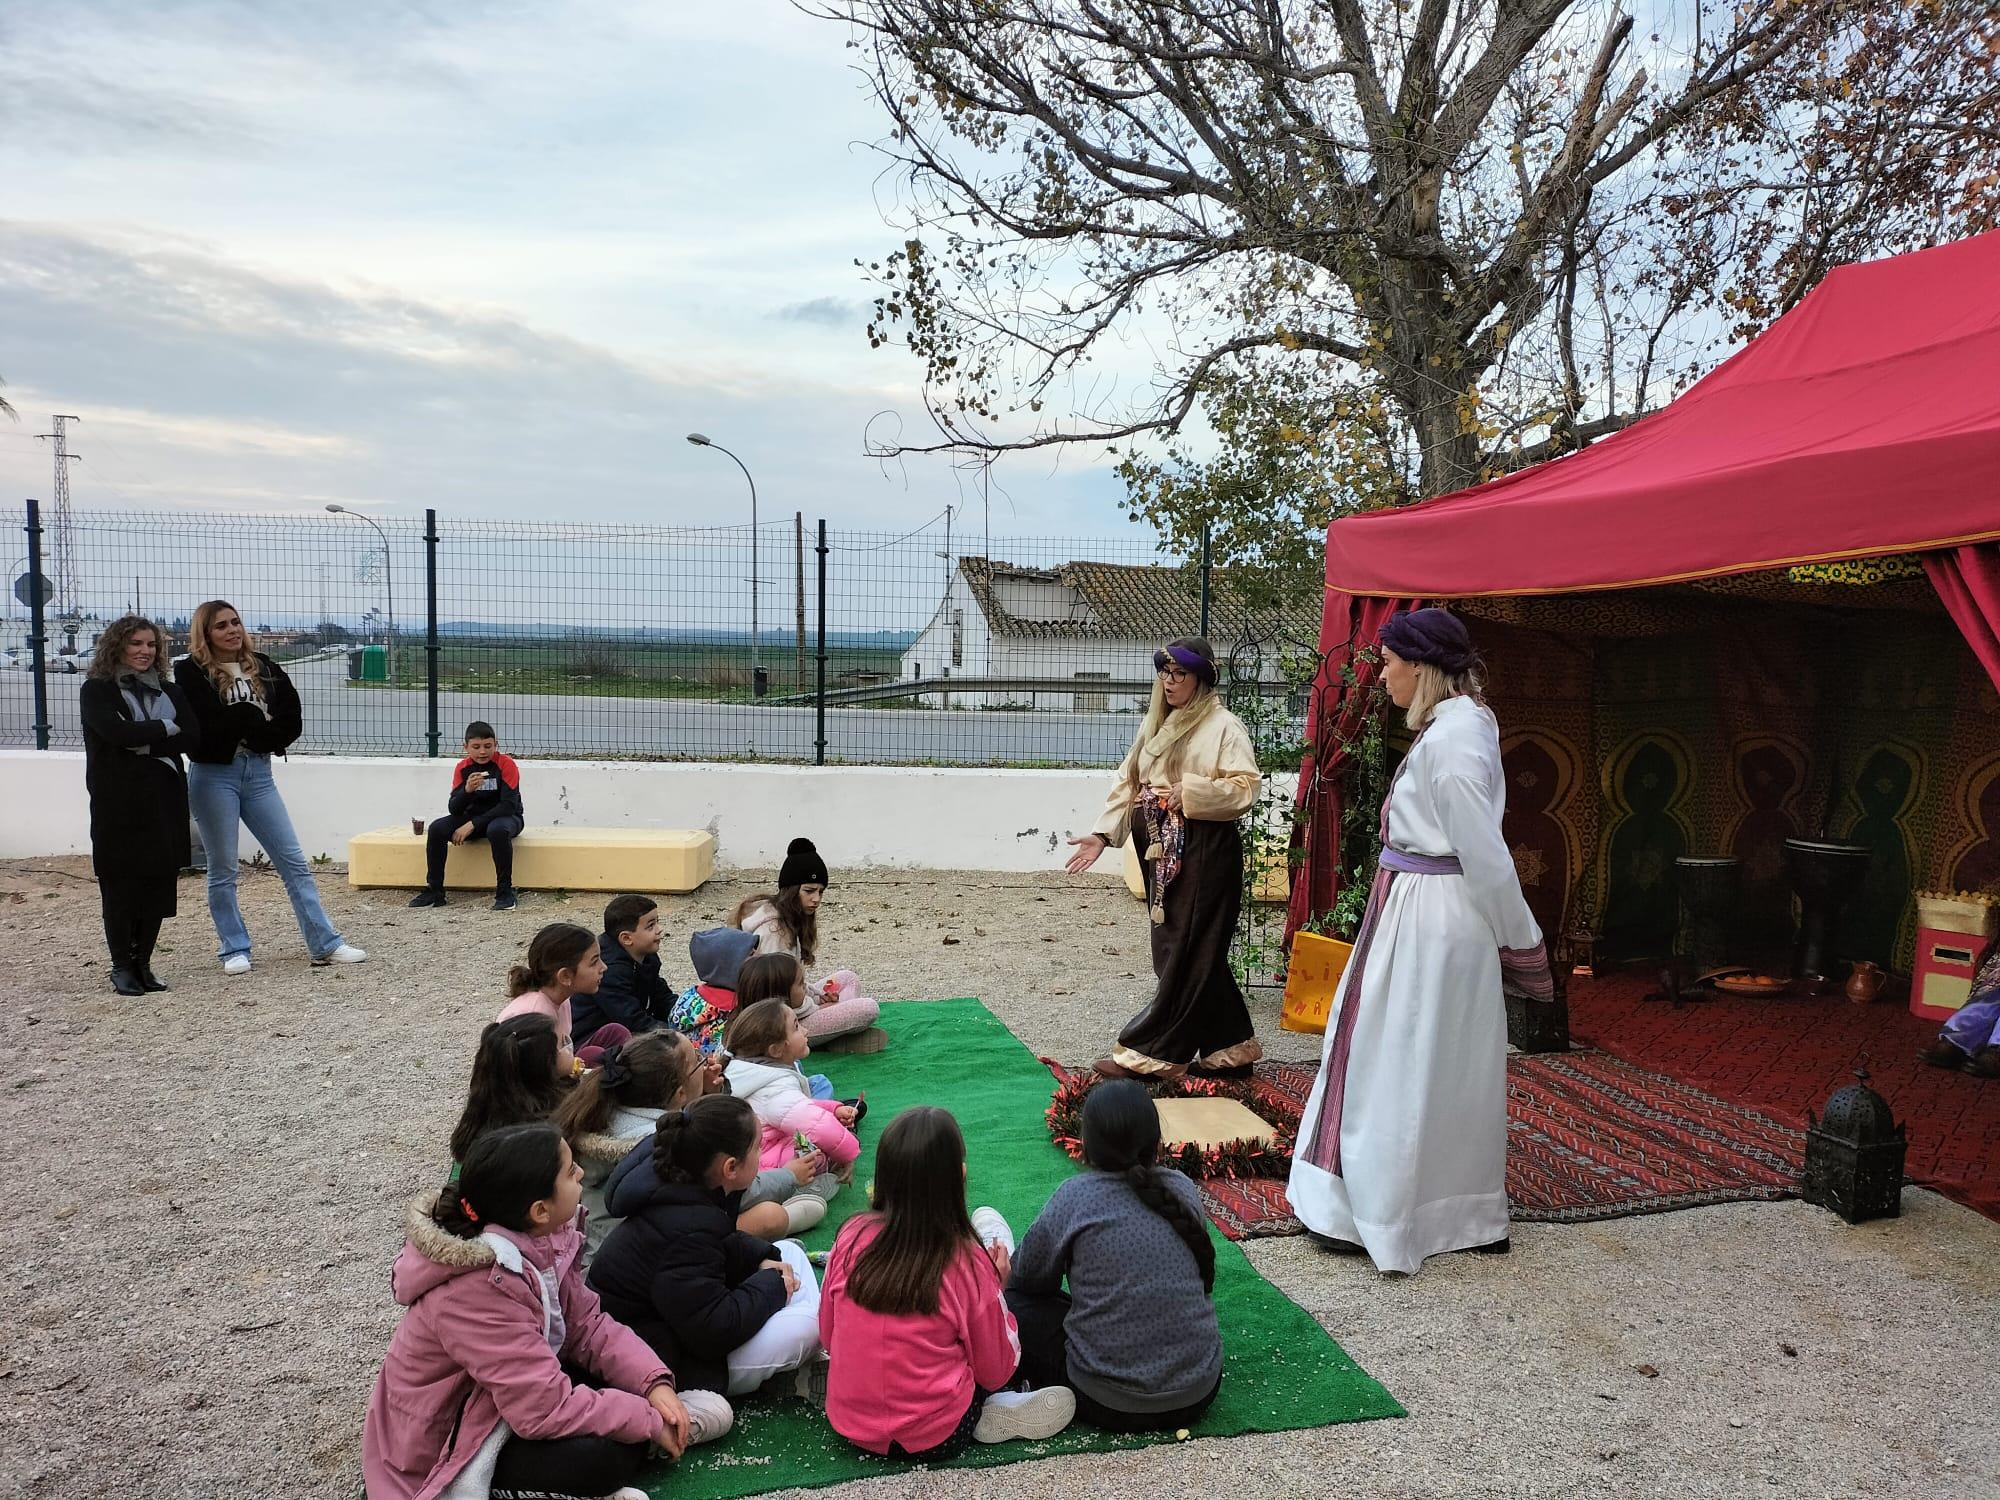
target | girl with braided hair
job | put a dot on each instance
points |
(1135, 1336)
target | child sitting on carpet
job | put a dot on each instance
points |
(779, 976)
(515, 1080)
(918, 1335)
(1136, 1335)
(765, 1044)
(1970, 1040)
(611, 1114)
(727, 1310)
(837, 1017)
(505, 1375)
(705, 1006)
(562, 962)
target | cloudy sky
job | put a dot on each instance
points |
(494, 257)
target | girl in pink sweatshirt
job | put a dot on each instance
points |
(562, 961)
(475, 1397)
(919, 1337)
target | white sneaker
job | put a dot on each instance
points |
(802, 1211)
(1025, 1414)
(236, 963)
(809, 1385)
(709, 1416)
(346, 953)
(992, 1229)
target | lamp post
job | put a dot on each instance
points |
(388, 588)
(755, 664)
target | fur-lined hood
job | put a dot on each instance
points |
(433, 1256)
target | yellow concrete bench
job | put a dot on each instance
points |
(545, 859)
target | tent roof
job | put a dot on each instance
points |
(1865, 421)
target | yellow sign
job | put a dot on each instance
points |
(1311, 980)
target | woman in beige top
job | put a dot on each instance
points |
(1189, 776)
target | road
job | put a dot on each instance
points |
(342, 719)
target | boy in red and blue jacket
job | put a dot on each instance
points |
(485, 804)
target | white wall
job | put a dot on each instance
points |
(908, 817)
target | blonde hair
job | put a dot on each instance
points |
(1434, 685)
(217, 667)
(108, 660)
(1165, 730)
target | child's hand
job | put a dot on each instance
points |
(712, 1068)
(804, 1168)
(461, 833)
(785, 1274)
(673, 1438)
(1002, 1261)
(830, 989)
(845, 1114)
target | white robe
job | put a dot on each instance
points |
(1423, 1128)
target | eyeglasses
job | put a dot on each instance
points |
(1174, 674)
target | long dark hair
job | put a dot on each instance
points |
(803, 925)
(506, 1173)
(558, 946)
(1121, 1136)
(767, 976)
(687, 1141)
(513, 1079)
(919, 1199)
(644, 1073)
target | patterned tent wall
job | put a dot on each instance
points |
(1639, 727)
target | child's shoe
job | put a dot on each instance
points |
(709, 1416)
(1025, 1414)
(992, 1229)
(809, 1385)
(868, 1039)
(1985, 1063)
(802, 1211)
(503, 900)
(428, 897)
(1942, 1054)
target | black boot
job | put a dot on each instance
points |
(142, 956)
(126, 980)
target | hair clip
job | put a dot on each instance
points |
(468, 1210)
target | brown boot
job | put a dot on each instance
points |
(1942, 1054)
(1985, 1063)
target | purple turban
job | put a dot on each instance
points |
(1192, 661)
(1436, 636)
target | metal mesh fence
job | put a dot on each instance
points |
(792, 642)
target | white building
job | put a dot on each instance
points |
(1082, 622)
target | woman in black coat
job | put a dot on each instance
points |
(136, 725)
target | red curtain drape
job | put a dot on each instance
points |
(1967, 579)
(1332, 717)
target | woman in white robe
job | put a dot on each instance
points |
(1403, 1148)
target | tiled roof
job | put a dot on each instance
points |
(1123, 601)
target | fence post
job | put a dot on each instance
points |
(819, 694)
(431, 628)
(38, 625)
(1205, 566)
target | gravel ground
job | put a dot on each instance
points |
(203, 1189)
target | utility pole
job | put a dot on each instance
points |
(68, 614)
(799, 571)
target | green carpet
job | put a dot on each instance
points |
(1280, 1369)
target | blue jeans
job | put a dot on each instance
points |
(243, 794)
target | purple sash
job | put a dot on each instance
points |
(1420, 864)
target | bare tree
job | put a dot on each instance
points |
(1386, 247)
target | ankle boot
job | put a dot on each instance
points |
(126, 980)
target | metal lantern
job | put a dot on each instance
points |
(1854, 1155)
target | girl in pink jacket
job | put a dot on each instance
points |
(473, 1399)
(921, 1344)
(765, 1044)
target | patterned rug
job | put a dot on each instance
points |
(1786, 1056)
(1588, 1137)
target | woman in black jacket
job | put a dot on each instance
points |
(248, 711)
(135, 729)
(723, 1309)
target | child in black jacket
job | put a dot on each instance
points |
(725, 1310)
(632, 994)
(485, 804)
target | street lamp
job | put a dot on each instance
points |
(388, 587)
(701, 442)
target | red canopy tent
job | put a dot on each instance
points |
(1863, 424)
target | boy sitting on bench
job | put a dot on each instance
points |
(485, 804)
